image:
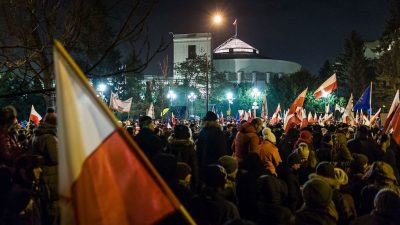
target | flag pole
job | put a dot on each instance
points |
(134, 147)
(236, 28)
(370, 101)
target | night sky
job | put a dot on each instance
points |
(303, 31)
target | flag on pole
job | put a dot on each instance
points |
(395, 125)
(150, 111)
(365, 100)
(119, 105)
(105, 178)
(310, 118)
(327, 87)
(304, 121)
(173, 119)
(164, 112)
(264, 108)
(375, 117)
(348, 116)
(298, 102)
(393, 107)
(34, 116)
(234, 22)
(213, 109)
(221, 118)
(315, 118)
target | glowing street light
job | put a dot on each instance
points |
(101, 87)
(255, 93)
(229, 96)
(217, 19)
(171, 96)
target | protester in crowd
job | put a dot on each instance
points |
(9, 147)
(45, 143)
(342, 153)
(147, 140)
(389, 153)
(209, 207)
(361, 144)
(356, 172)
(182, 147)
(288, 143)
(268, 152)
(211, 144)
(325, 151)
(386, 210)
(247, 139)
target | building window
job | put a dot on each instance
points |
(192, 51)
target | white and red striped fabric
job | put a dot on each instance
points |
(393, 107)
(327, 87)
(34, 116)
(310, 118)
(104, 177)
(375, 117)
(298, 102)
(304, 120)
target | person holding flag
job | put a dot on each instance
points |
(34, 116)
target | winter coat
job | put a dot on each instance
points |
(324, 153)
(376, 219)
(149, 142)
(247, 140)
(269, 155)
(9, 147)
(273, 214)
(210, 208)
(294, 198)
(365, 146)
(184, 151)
(368, 194)
(271, 190)
(45, 144)
(211, 144)
(308, 216)
(390, 157)
(343, 154)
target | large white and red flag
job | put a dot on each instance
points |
(304, 119)
(393, 107)
(34, 116)
(395, 125)
(348, 116)
(104, 177)
(275, 116)
(327, 87)
(298, 102)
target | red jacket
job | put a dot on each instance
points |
(247, 140)
(269, 155)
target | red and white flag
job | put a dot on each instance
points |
(395, 125)
(34, 116)
(315, 118)
(393, 107)
(150, 111)
(348, 116)
(173, 119)
(119, 105)
(298, 102)
(310, 118)
(304, 120)
(221, 118)
(375, 117)
(104, 177)
(234, 22)
(327, 87)
(291, 121)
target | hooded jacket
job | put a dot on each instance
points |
(247, 140)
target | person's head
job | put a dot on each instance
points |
(387, 203)
(341, 177)
(50, 117)
(146, 122)
(230, 165)
(381, 172)
(257, 123)
(181, 132)
(268, 135)
(317, 194)
(215, 176)
(303, 151)
(8, 116)
(166, 165)
(210, 116)
(359, 163)
(294, 161)
(326, 169)
(184, 174)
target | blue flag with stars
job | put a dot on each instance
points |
(365, 100)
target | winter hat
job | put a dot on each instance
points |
(214, 176)
(387, 202)
(303, 151)
(144, 120)
(181, 132)
(317, 193)
(210, 116)
(268, 135)
(380, 170)
(293, 158)
(306, 136)
(229, 163)
(182, 170)
(341, 176)
(326, 169)
(358, 163)
(50, 117)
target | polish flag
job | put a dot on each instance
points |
(310, 118)
(34, 116)
(315, 118)
(291, 121)
(347, 116)
(221, 118)
(327, 87)
(395, 125)
(361, 117)
(395, 103)
(104, 177)
(374, 118)
(298, 102)
(304, 120)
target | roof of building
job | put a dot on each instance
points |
(235, 45)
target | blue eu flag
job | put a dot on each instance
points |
(364, 101)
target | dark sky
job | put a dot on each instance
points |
(303, 31)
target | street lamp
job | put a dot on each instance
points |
(255, 93)
(101, 88)
(171, 96)
(192, 97)
(229, 97)
(217, 19)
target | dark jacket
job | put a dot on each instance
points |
(376, 219)
(211, 144)
(294, 200)
(210, 208)
(308, 216)
(362, 145)
(9, 147)
(45, 144)
(149, 142)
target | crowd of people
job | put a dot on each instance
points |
(237, 172)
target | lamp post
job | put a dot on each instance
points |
(216, 20)
(229, 97)
(171, 96)
(192, 97)
(255, 93)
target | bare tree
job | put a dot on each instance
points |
(93, 31)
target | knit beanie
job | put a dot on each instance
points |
(326, 169)
(317, 193)
(306, 136)
(229, 163)
(268, 135)
(210, 116)
(181, 132)
(214, 176)
(50, 117)
(341, 176)
(387, 202)
(303, 151)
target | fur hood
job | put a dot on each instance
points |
(174, 141)
(211, 124)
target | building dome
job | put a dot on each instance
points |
(234, 45)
